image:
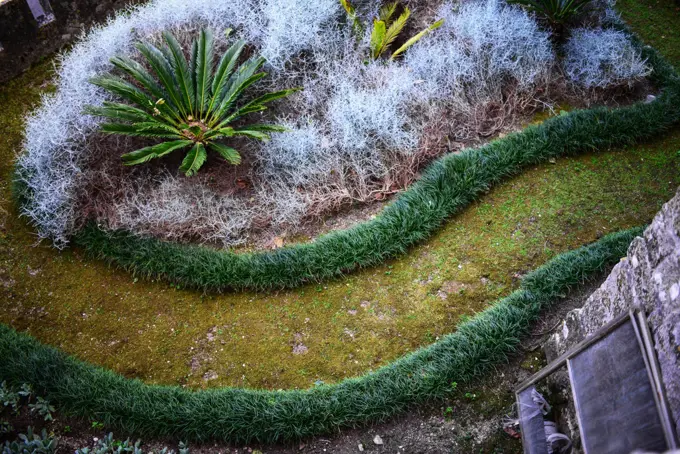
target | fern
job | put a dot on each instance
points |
(415, 38)
(352, 15)
(386, 30)
(187, 103)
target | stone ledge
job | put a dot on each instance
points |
(648, 278)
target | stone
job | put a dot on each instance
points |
(377, 440)
(648, 279)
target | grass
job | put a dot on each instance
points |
(240, 415)
(159, 333)
(153, 330)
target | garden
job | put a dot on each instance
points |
(265, 220)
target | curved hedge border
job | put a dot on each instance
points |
(241, 415)
(449, 185)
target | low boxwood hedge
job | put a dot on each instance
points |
(243, 415)
(448, 186)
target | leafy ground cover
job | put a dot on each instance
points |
(163, 334)
(245, 415)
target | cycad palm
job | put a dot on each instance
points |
(188, 104)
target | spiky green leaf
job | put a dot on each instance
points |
(155, 151)
(269, 128)
(238, 83)
(163, 70)
(387, 11)
(182, 73)
(224, 71)
(416, 38)
(124, 89)
(151, 130)
(229, 154)
(253, 134)
(194, 160)
(118, 111)
(204, 64)
(357, 26)
(377, 38)
(140, 74)
(396, 27)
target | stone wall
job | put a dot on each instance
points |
(24, 43)
(649, 279)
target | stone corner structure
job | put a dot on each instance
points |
(648, 278)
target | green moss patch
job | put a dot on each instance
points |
(241, 415)
(162, 334)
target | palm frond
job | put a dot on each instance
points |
(204, 63)
(184, 103)
(194, 160)
(140, 74)
(387, 11)
(247, 132)
(224, 71)
(269, 128)
(163, 70)
(118, 111)
(416, 38)
(134, 131)
(182, 73)
(357, 26)
(123, 89)
(396, 27)
(377, 38)
(155, 151)
(238, 82)
(229, 154)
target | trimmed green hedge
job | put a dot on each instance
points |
(242, 415)
(449, 185)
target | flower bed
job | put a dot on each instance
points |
(369, 112)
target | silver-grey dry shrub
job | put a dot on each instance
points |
(602, 58)
(355, 128)
(481, 48)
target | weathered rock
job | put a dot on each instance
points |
(647, 279)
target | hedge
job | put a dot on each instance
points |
(448, 186)
(243, 415)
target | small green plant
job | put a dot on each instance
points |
(387, 27)
(25, 391)
(96, 425)
(9, 397)
(448, 412)
(109, 445)
(556, 12)
(31, 443)
(43, 408)
(470, 396)
(187, 104)
(454, 386)
(5, 427)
